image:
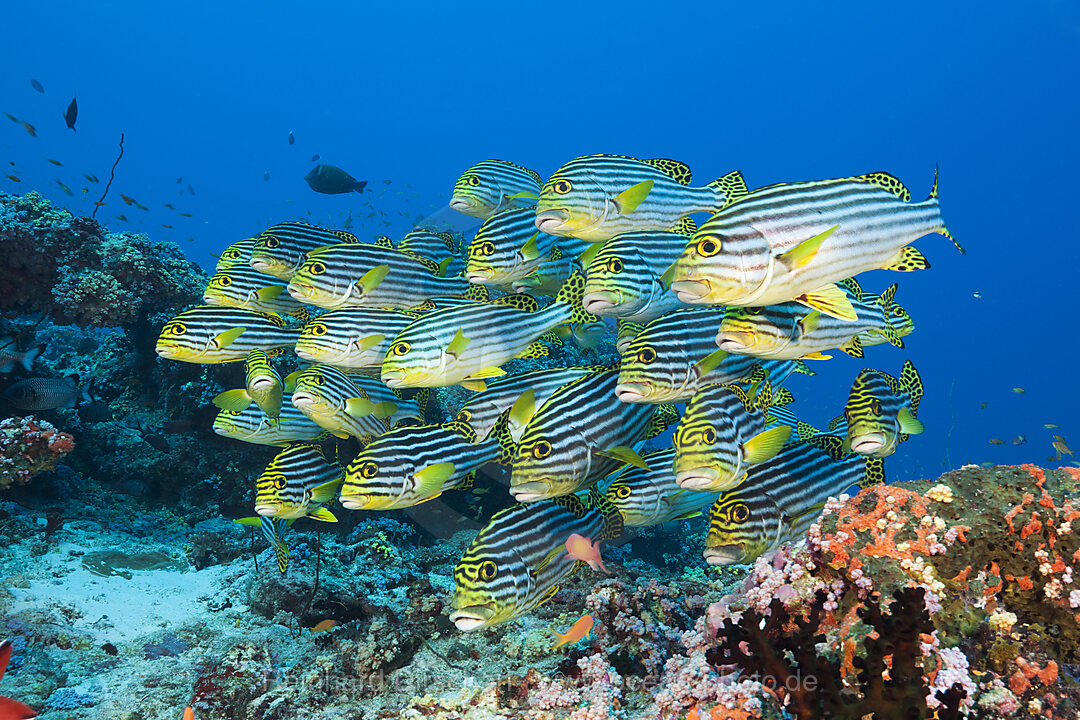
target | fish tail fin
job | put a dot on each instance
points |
(613, 519)
(31, 355)
(943, 230)
(731, 187)
(873, 473)
(360, 185)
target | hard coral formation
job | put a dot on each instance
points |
(29, 446)
(78, 273)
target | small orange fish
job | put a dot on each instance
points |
(189, 713)
(12, 178)
(693, 714)
(324, 625)
(126, 199)
(11, 709)
(577, 631)
(582, 548)
(29, 128)
(997, 441)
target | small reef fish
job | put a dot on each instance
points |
(11, 709)
(549, 275)
(252, 425)
(789, 331)
(332, 180)
(13, 178)
(516, 562)
(579, 547)
(239, 253)
(997, 441)
(40, 393)
(352, 338)
(580, 435)
(623, 279)
(881, 411)
(651, 496)
(1019, 390)
(324, 626)
(1061, 447)
(581, 629)
(189, 713)
(297, 483)
(412, 464)
(779, 501)
(34, 83)
(724, 431)
(280, 249)
(674, 356)
(10, 356)
(467, 343)
(1019, 440)
(494, 185)
(597, 197)
(507, 247)
(30, 129)
(292, 139)
(71, 114)
(342, 405)
(793, 241)
(368, 275)
(263, 386)
(240, 286)
(210, 334)
(432, 245)
(64, 188)
(523, 391)
(57, 163)
(91, 178)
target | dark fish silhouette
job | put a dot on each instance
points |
(37, 86)
(266, 176)
(315, 158)
(191, 190)
(331, 180)
(292, 139)
(71, 114)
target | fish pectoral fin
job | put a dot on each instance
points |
(228, 337)
(269, 293)
(366, 343)
(488, 372)
(628, 200)
(458, 344)
(255, 521)
(766, 444)
(809, 323)
(233, 400)
(523, 195)
(474, 385)
(523, 409)
(359, 407)
(709, 363)
(322, 514)
(624, 454)
(801, 255)
(290, 380)
(530, 250)
(432, 478)
(831, 300)
(816, 356)
(384, 410)
(907, 259)
(443, 265)
(688, 515)
(372, 278)
(589, 254)
(326, 492)
(908, 422)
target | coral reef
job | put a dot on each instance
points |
(29, 446)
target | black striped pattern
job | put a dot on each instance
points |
(322, 393)
(239, 285)
(263, 383)
(623, 279)
(432, 245)
(495, 253)
(578, 199)
(330, 278)
(237, 254)
(383, 475)
(873, 406)
(195, 335)
(284, 487)
(709, 440)
(254, 426)
(482, 410)
(658, 364)
(780, 499)
(338, 337)
(556, 454)
(486, 188)
(651, 497)
(279, 250)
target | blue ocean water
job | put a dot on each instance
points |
(408, 96)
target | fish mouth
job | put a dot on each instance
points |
(355, 502)
(393, 378)
(868, 444)
(702, 479)
(479, 277)
(461, 204)
(734, 342)
(730, 554)
(305, 353)
(600, 302)
(166, 352)
(268, 510)
(530, 491)
(691, 291)
(300, 291)
(632, 392)
(472, 617)
(551, 221)
(303, 399)
(263, 383)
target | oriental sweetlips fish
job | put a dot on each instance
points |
(507, 247)
(297, 483)
(651, 496)
(352, 337)
(597, 197)
(779, 501)
(881, 410)
(262, 385)
(342, 405)
(254, 426)
(791, 330)
(794, 241)
(467, 343)
(239, 253)
(280, 249)
(242, 287)
(516, 562)
(210, 334)
(493, 185)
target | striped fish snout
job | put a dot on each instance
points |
(728, 554)
(692, 291)
(552, 222)
(732, 341)
(601, 302)
(632, 392)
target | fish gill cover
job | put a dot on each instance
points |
(360, 448)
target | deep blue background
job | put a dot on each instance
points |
(414, 95)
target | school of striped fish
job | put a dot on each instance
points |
(709, 319)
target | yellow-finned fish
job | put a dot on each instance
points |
(263, 386)
(650, 496)
(343, 405)
(236, 255)
(240, 286)
(355, 337)
(280, 249)
(297, 483)
(209, 334)
(252, 425)
(494, 185)
(881, 410)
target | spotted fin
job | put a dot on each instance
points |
(384, 241)
(674, 169)
(907, 259)
(853, 347)
(887, 182)
(733, 186)
(535, 349)
(685, 226)
(912, 385)
(521, 302)
(664, 417)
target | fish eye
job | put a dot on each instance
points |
(318, 329)
(709, 436)
(177, 328)
(646, 356)
(224, 281)
(488, 570)
(754, 310)
(708, 247)
(614, 265)
(876, 407)
(740, 513)
(562, 187)
(541, 449)
(464, 416)
(271, 242)
(400, 348)
(473, 181)
(622, 492)
(278, 481)
(486, 248)
(369, 470)
(316, 268)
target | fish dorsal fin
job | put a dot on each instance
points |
(685, 226)
(624, 454)
(521, 302)
(852, 286)
(888, 298)
(831, 301)
(733, 185)
(425, 261)
(664, 417)
(373, 278)
(346, 237)
(804, 431)
(628, 200)
(887, 182)
(384, 241)
(478, 293)
(531, 173)
(803, 253)
(227, 338)
(458, 344)
(674, 169)
(459, 427)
